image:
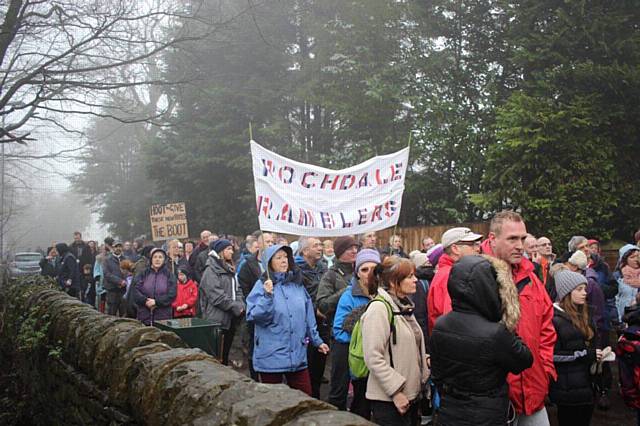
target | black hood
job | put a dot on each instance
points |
(425, 272)
(473, 287)
(62, 248)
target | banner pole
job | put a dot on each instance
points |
(261, 232)
(396, 226)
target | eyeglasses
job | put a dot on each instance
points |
(468, 243)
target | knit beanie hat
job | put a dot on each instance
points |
(418, 258)
(221, 244)
(434, 254)
(342, 244)
(567, 281)
(367, 255)
(579, 259)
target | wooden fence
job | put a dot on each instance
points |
(412, 236)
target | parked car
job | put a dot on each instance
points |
(25, 264)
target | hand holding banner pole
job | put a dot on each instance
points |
(250, 139)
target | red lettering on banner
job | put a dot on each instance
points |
(377, 210)
(264, 206)
(364, 180)
(344, 185)
(329, 180)
(268, 167)
(363, 216)
(304, 179)
(286, 214)
(311, 219)
(379, 180)
(327, 220)
(345, 224)
(281, 174)
(390, 207)
(396, 172)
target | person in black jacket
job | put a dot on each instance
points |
(474, 347)
(68, 272)
(312, 269)
(114, 281)
(49, 264)
(81, 251)
(424, 274)
(574, 352)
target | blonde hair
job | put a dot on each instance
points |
(500, 218)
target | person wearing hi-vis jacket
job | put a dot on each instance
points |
(285, 322)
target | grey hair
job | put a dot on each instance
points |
(304, 243)
(575, 241)
(249, 241)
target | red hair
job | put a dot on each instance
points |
(393, 269)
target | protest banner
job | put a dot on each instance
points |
(303, 199)
(168, 221)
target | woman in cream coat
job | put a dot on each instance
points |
(395, 354)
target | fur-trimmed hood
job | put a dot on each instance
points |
(483, 285)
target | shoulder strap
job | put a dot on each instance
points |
(392, 324)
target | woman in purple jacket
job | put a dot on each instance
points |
(155, 290)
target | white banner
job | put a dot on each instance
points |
(302, 199)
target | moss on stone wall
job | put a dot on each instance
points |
(70, 365)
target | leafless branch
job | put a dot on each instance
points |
(64, 51)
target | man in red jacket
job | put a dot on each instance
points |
(528, 389)
(457, 243)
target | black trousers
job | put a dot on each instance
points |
(360, 404)
(115, 304)
(228, 341)
(575, 415)
(340, 377)
(250, 333)
(316, 360)
(385, 413)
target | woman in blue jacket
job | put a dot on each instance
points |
(285, 322)
(351, 305)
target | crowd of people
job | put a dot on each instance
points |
(477, 329)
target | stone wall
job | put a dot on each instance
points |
(71, 365)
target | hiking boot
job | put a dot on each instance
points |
(603, 402)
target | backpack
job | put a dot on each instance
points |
(628, 355)
(357, 366)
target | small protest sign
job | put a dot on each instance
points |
(168, 221)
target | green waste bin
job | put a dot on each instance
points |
(197, 333)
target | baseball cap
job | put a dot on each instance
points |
(456, 235)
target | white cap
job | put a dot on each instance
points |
(456, 235)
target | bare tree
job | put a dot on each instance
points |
(64, 56)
